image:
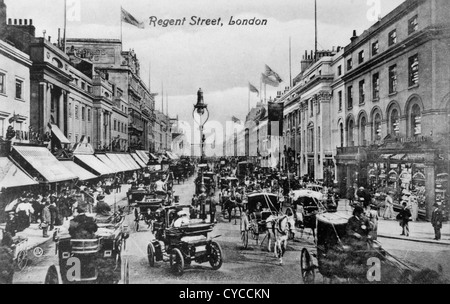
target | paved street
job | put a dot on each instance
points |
(254, 265)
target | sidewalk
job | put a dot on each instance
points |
(34, 234)
(419, 231)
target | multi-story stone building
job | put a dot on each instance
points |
(14, 94)
(395, 116)
(130, 93)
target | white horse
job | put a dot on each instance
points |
(278, 229)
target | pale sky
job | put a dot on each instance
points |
(220, 60)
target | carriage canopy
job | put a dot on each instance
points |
(267, 200)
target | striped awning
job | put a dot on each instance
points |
(44, 163)
(93, 164)
(139, 160)
(132, 162)
(82, 174)
(119, 161)
(12, 176)
(108, 162)
(143, 155)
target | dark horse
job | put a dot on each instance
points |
(232, 203)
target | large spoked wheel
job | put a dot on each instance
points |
(254, 230)
(53, 276)
(151, 255)
(215, 256)
(22, 260)
(177, 262)
(244, 238)
(307, 267)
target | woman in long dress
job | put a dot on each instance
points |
(414, 207)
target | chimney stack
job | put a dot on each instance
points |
(31, 21)
(9, 21)
(15, 21)
(25, 21)
(354, 36)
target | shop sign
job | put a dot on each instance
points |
(414, 139)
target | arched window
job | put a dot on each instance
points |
(362, 131)
(341, 130)
(416, 120)
(394, 120)
(350, 130)
(377, 127)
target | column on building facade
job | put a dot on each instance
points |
(61, 117)
(429, 186)
(47, 107)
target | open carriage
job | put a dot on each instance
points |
(183, 245)
(337, 256)
(92, 261)
(257, 209)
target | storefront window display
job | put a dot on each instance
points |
(418, 185)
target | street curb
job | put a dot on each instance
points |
(414, 240)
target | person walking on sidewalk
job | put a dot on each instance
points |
(436, 220)
(404, 216)
(389, 208)
(46, 219)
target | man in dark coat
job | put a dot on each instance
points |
(404, 216)
(82, 226)
(102, 208)
(436, 221)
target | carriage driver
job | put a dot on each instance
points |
(160, 186)
(358, 228)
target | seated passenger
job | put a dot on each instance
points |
(102, 208)
(183, 219)
(358, 228)
(160, 186)
(82, 226)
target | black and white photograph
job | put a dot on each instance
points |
(236, 144)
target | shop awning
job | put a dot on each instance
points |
(82, 174)
(143, 155)
(385, 156)
(119, 161)
(111, 164)
(398, 156)
(12, 176)
(92, 163)
(132, 162)
(139, 160)
(172, 156)
(153, 156)
(45, 163)
(59, 134)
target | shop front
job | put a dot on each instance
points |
(412, 176)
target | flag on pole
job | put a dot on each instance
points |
(128, 18)
(236, 120)
(267, 80)
(253, 88)
(270, 72)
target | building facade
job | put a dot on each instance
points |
(14, 94)
(395, 121)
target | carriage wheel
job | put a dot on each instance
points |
(307, 267)
(216, 257)
(53, 276)
(244, 238)
(151, 255)
(177, 262)
(22, 260)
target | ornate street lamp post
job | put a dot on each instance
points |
(201, 108)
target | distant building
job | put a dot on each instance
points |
(130, 94)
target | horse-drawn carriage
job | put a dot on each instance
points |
(92, 261)
(257, 209)
(339, 256)
(145, 209)
(306, 204)
(183, 245)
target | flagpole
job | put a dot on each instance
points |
(121, 28)
(290, 63)
(249, 98)
(65, 24)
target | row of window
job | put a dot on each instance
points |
(119, 126)
(18, 89)
(84, 114)
(413, 80)
(413, 26)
